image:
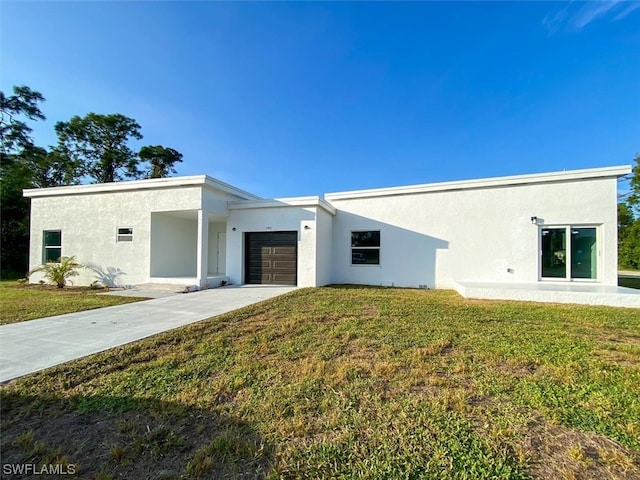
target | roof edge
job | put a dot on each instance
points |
(312, 201)
(220, 185)
(148, 184)
(603, 172)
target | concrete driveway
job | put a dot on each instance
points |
(34, 345)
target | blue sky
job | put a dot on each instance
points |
(286, 99)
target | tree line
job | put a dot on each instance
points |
(629, 222)
(90, 149)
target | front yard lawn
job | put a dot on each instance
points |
(26, 302)
(348, 382)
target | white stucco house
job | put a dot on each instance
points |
(548, 237)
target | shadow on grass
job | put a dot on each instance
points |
(124, 437)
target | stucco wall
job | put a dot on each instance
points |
(215, 202)
(438, 238)
(272, 219)
(173, 246)
(434, 239)
(324, 246)
(88, 223)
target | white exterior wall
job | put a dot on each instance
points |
(283, 218)
(433, 235)
(324, 247)
(88, 223)
(173, 246)
(215, 202)
(438, 238)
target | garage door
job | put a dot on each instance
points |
(271, 258)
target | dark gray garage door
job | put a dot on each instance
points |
(271, 258)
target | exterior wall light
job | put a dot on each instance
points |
(233, 229)
(307, 227)
(534, 220)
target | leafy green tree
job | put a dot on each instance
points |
(92, 148)
(161, 160)
(16, 174)
(60, 272)
(634, 197)
(629, 250)
(99, 143)
(14, 224)
(49, 168)
(24, 165)
(15, 134)
(629, 223)
(625, 219)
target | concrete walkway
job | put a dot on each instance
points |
(34, 345)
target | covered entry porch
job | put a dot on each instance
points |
(188, 247)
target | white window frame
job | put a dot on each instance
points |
(568, 278)
(351, 248)
(124, 237)
(46, 247)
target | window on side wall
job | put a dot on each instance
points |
(51, 246)
(124, 234)
(365, 247)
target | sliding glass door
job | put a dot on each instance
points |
(584, 254)
(569, 253)
(554, 252)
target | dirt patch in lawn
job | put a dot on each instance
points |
(370, 311)
(151, 439)
(558, 451)
(554, 451)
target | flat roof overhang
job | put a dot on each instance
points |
(300, 202)
(531, 179)
(141, 185)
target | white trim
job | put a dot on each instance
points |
(313, 201)
(119, 235)
(379, 248)
(45, 247)
(154, 183)
(485, 183)
(567, 227)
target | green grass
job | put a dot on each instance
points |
(26, 302)
(349, 382)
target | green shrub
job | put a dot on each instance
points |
(58, 273)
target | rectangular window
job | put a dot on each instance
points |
(51, 246)
(365, 247)
(569, 253)
(125, 234)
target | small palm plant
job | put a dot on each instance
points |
(58, 273)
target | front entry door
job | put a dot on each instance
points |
(222, 252)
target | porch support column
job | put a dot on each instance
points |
(202, 265)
